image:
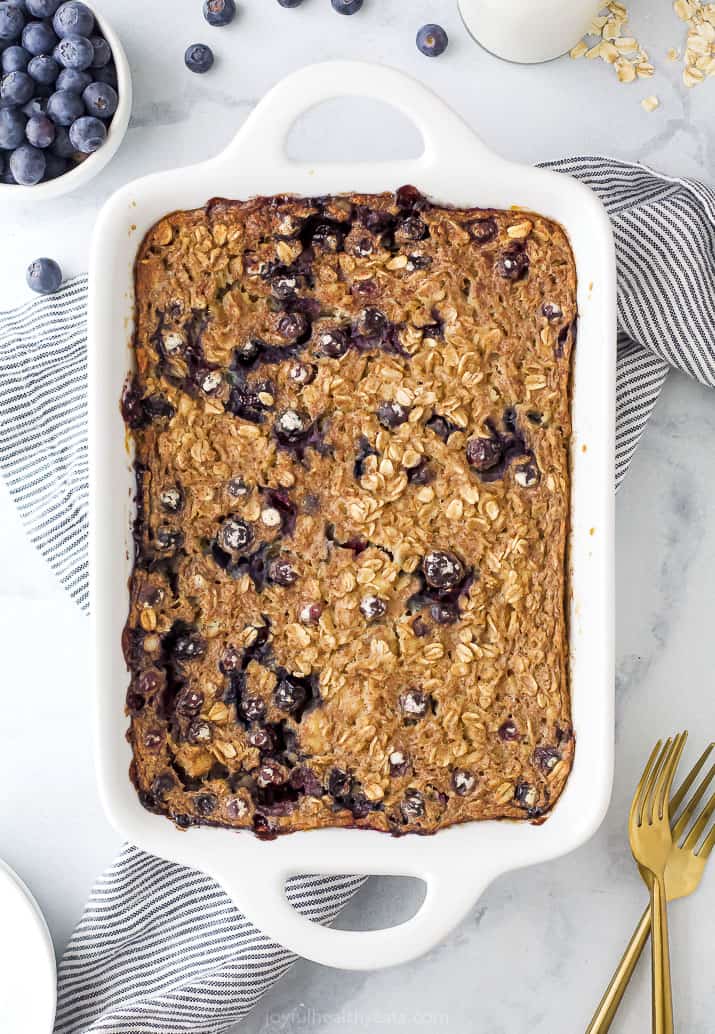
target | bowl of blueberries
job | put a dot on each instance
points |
(65, 97)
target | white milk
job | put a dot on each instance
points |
(528, 30)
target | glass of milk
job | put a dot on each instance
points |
(528, 30)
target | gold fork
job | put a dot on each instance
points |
(651, 842)
(686, 864)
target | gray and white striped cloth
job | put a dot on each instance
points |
(161, 948)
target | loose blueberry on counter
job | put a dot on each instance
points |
(73, 17)
(27, 164)
(43, 69)
(44, 276)
(40, 132)
(64, 107)
(346, 6)
(442, 570)
(414, 703)
(392, 414)
(234, 534)
(16, 88)
(412, 805)
(219, 12)
(72, 80)
(87, 134)
(482, 231)
(513, 264)
(198, 58)
(11, 22)
(100, 100)
(463, 781)
(38, 38)
(508, 731)
(372, 608)
(15, 59)
(290, 3)
(432, 40)
(484, 453)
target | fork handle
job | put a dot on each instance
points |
(662, 993)
(608, 1006)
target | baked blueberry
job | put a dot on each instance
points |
(44, 276)
(199, 732)
(153, 739)
(333, 343)
(525, 794)
(189, 701)
(87, 134)
(163, 785)
(411, 229)
(189, 646)
(167, 538)
(73, 17)
(281, 572)
(412, 805)
(463, 781)
(15, 59)
(482, 231)
(219, 12)
(100, 100)
(508, 731)
(526, 474)
(484, 453)
(291, 426)
(414, 703)
(338, 783)
(172, 499)
(546, 758)
(199, 58)
(346, 6)
(513, 264)
(16, 88)
(327, 238)
(270, 773)
(254, 710)
(441, 426)
(43, 69)
(205, 803)
(551, 311)
(64, 107)
(444, 613)
(372, 323)
(234, 534)
(40, 132)
(290, 695)
(432, 40)
(442, 570)
(373, 608)
(392, 414)
(293, 326)
(27, 164)
(398, 763)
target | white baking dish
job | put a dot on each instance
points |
(459, 862)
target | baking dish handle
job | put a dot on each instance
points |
(449, 897)
(447, 138)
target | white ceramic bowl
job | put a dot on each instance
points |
(92, 165)
(459, 862)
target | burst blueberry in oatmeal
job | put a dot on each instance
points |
(351, 418)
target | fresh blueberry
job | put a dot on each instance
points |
(27, 165)
(44, 276)
(38, 38)
(482, 231)
(73, 80)
(432, 40)
(198, 58)
(106, 74)
(17, 88)
(54, 165)
(64, 107)
(12, 128)
(74, 52)
(290, 3)
(62, 146)
(442, 570)
(42, 8)
(484, 453)
(219, 12)
(102, 52)
(346, 6)
(88, 134)
(15, 59)
(513, 264)
(11, 21)
(40, 131)
(100, 100)
(43, 69)
(73, 17)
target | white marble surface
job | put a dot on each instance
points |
(537, 949)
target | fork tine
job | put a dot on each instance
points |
(697, 831)
(679, 795)
(638, 795)
(689, 810)
(661, 796)
(707, 847)
(646, 810)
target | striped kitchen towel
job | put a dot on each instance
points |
(161, 948)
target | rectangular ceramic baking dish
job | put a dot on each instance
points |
(459, 862)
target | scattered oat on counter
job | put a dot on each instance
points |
(699, 60)
(650, 103)
(614, 46)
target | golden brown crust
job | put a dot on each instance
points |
(310, 375)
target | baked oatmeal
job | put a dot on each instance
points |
(351, 418)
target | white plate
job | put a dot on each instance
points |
(459, 862)
(28, 982)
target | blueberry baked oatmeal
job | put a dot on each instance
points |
(351, 419)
